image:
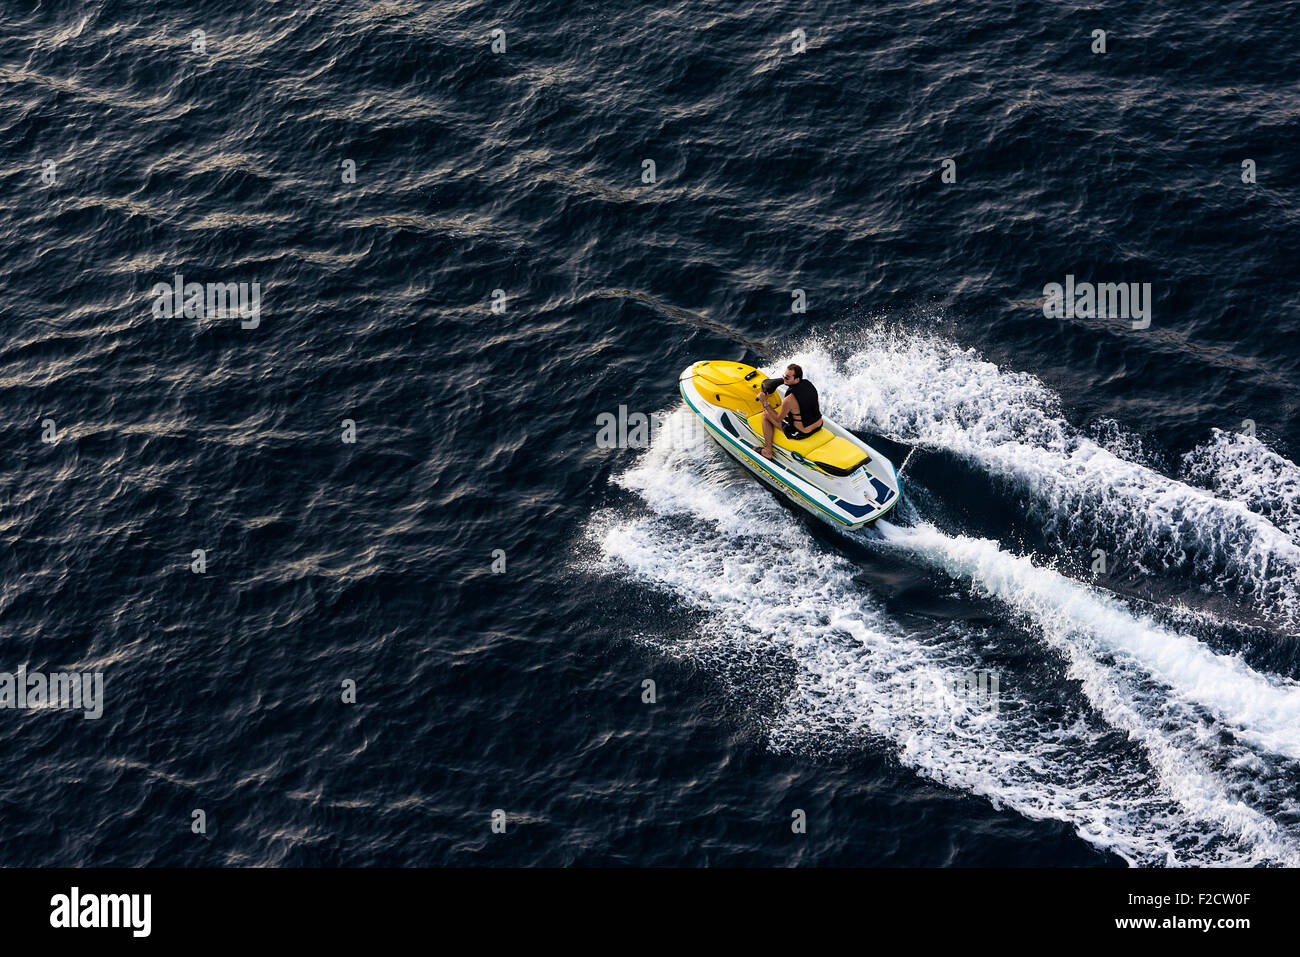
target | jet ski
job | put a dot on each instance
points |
(831, 473)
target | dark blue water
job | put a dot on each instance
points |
(1147, 714)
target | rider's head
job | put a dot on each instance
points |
(792, 374)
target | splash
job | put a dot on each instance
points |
(926, 390)
(1244, 469)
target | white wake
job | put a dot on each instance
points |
(1216, 741)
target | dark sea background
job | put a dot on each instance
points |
(1148, 714)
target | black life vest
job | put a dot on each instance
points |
(810, 412)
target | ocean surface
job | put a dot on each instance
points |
(462, 252)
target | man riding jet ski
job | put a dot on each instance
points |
(815, 463)
(799, 415)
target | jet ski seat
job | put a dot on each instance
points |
(803, 446)
(825, 449)
(839, 456)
